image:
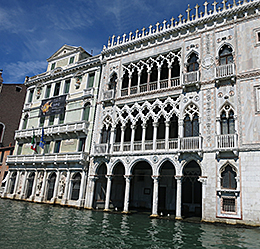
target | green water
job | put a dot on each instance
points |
(30, 225)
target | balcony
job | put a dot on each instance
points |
(191, 79)
(89, 92)
(80, 157)
(187, 144)
(226, 142)
(81, 127)
(108, 95)
(151, 86)
(191, 144)
(225, 72)
(101, 149)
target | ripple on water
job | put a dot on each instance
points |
(30, 225)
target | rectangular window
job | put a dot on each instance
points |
(42, 120)
(57, 146)
(19, 150)
(25, 121)
(257, 99)
(229, 205)
(57, 89)
(53, 66)
(71, 60)
(82, 144)
(61, 118)
(91, 79)
(67, 86)
(51, 120)
(48, 90)
(47, 147)
(30, 96)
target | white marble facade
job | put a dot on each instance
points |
(176, 127)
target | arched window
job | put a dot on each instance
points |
(191, 121)
(154, 74)
(75, 188)
(175, 70)
(134, 79)
(112, 82)
(193, 64)
(227, 121)
(164, 71)
(86, 110)
(144, 75)
(12, 182)
(228, 178)
(2, 129)
(118, 133)
(105, 135)
(225, 55)
(125, 81)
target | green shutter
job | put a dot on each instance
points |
(91, 80)
(86, 112)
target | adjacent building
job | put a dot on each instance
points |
(11, 102)
(59, 109)
(173, 128)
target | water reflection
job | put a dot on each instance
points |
(29, 225)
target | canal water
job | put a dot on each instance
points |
(30, 225)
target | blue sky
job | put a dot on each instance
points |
(31, 31)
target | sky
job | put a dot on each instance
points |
(31, 30)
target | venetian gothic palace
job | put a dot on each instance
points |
(166, 119)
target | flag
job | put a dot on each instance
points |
(33, 143)
(42, 142)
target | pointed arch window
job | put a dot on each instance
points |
(25, 121)
(225, 55)
(227, 121)
(193, 64)
(125, 81)
(105, 135)
(164, 71)
(191, 126)
(228, 178)
(144, 75)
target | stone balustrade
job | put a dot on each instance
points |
(225, 71)
(226, 141)
(81, 126)
(48, 158)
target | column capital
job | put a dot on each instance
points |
(203, 179)
(155, 124)
(178, 178)
(128, 177)
(109, 177)
(93, 178)
(133, 127)
(156, 178)
(167, 123)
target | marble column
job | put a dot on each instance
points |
(159, 76)
(82, 188)
(56, 186)
(129, 85)
(155, 126)
(148, 80)
(178, 197)
(169, 76)
(167, 132)
(90, 191)
(65, 195)
(112, 139)
(7, 183)
(17, 182)
(42, 195)
(22, 196)
(108, 191)
(143, 136)
(34, 186)
(122, 138)
(139, 80)
(203, 180)
(155, 196)
(132, 137)
(127, 193)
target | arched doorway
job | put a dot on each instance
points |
(75, 186)
(118, 187)
(29, 186)
(51, 185)
(141, 191)
(167, 188)
(100, 187)
(191, 190)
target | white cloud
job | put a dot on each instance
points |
(19, 70)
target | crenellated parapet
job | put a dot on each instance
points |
(236, 10)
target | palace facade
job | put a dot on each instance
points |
(173, 129)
